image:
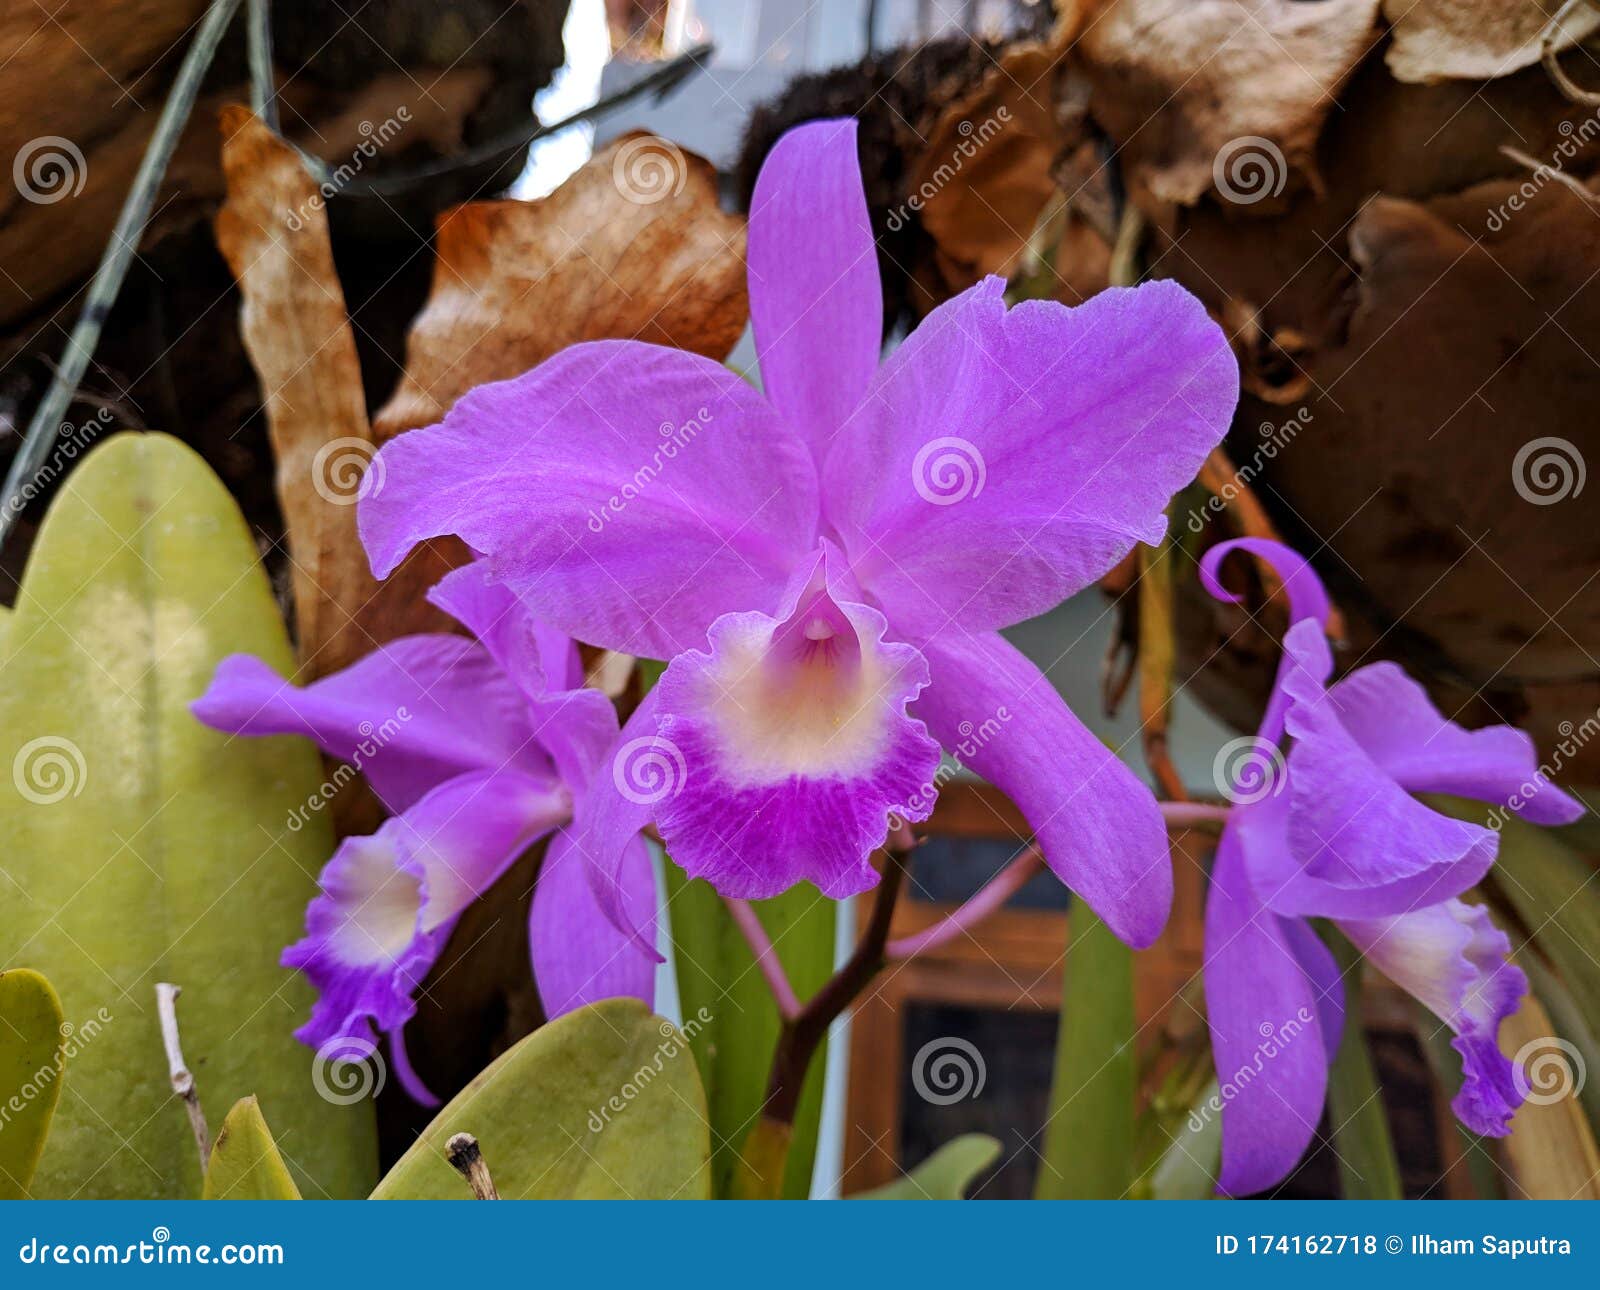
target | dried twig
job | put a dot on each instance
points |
(182, 1079)
(466, 1158)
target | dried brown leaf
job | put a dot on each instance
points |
(985, 175)
(1435, 40)
(1551, 1153)
(1189, 88)
(274, 235)
(632, 246)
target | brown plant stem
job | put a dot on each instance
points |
(766, 1150)
(466, 1158)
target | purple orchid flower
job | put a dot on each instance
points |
(480, 748)
(828, 564)
(1334, 832)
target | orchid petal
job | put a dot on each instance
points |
(411, 715)
(1007, 458)
(1097, 825)
(627, 493)
(578, 956)
(1395, 722)
(1454, 960)
(1266, 1038)
(389, 900)
(815, 300)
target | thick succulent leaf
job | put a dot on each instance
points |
(732, 1020)
(603, 1103)
(245, 1164)
(143, 847)
(32, 1031)
(1089, 1137)
(1188, 1168)
(947, 1174)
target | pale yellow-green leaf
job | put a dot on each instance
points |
(245, 1164)
(31, 1038)
(143, 847)
(604, 1102)
(946, 1174)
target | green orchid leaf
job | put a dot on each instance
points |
(1089, 1139)
(245, 1164)
(1188, 1168)
(1368, 1166)
(732, 1020)
(32, 1031)
(604, 1102)
(948, 1174)
(143, 847)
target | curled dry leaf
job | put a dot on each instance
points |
(1476, 39)
(274, 235)
(632, 246)
(985, 176)
(1192, 89)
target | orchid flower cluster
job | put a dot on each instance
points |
(828, 586)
